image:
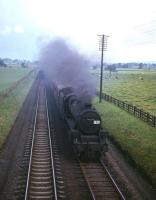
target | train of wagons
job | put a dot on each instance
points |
(83, 121)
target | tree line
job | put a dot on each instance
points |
(7, 62)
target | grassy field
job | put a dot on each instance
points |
(134, 136)
(10, 106)
(9, 75)
(136, 87)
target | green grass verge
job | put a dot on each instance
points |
(134, 136)
(11, 105)
(128, 86)
(10, 75)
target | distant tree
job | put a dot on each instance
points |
(140, 66)
(36, 62)
(125, 65)
(119, 65)
(111, 68)
(23, 65)
(15, 61)
(95, 67)
(2, 64)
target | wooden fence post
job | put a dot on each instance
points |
(147, 117)
(123, 105)
(128, 107)
(134, 108)
(154, 120)
(131, 109)
(140, 113)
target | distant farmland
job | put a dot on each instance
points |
(10, 75)
(136, 87)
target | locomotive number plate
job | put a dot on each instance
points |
(96, 122)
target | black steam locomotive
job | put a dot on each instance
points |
(83, 121)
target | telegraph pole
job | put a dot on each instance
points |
(102, 48)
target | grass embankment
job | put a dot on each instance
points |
(136, 87)
(10, 75)
(10, 106)
(134, 136)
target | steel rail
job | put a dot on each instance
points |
(52, 159)
(113, 181)
(90, 189)
(32, 143)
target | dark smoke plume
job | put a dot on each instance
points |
(67, 68)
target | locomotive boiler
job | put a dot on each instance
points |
(83, 121)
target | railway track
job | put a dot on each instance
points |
(45, 179)
(54, 170)
(100, 182)
(41, 180)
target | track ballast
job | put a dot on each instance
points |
(100, 182)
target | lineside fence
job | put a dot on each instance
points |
(145, 116)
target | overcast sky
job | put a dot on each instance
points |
(25, 25)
